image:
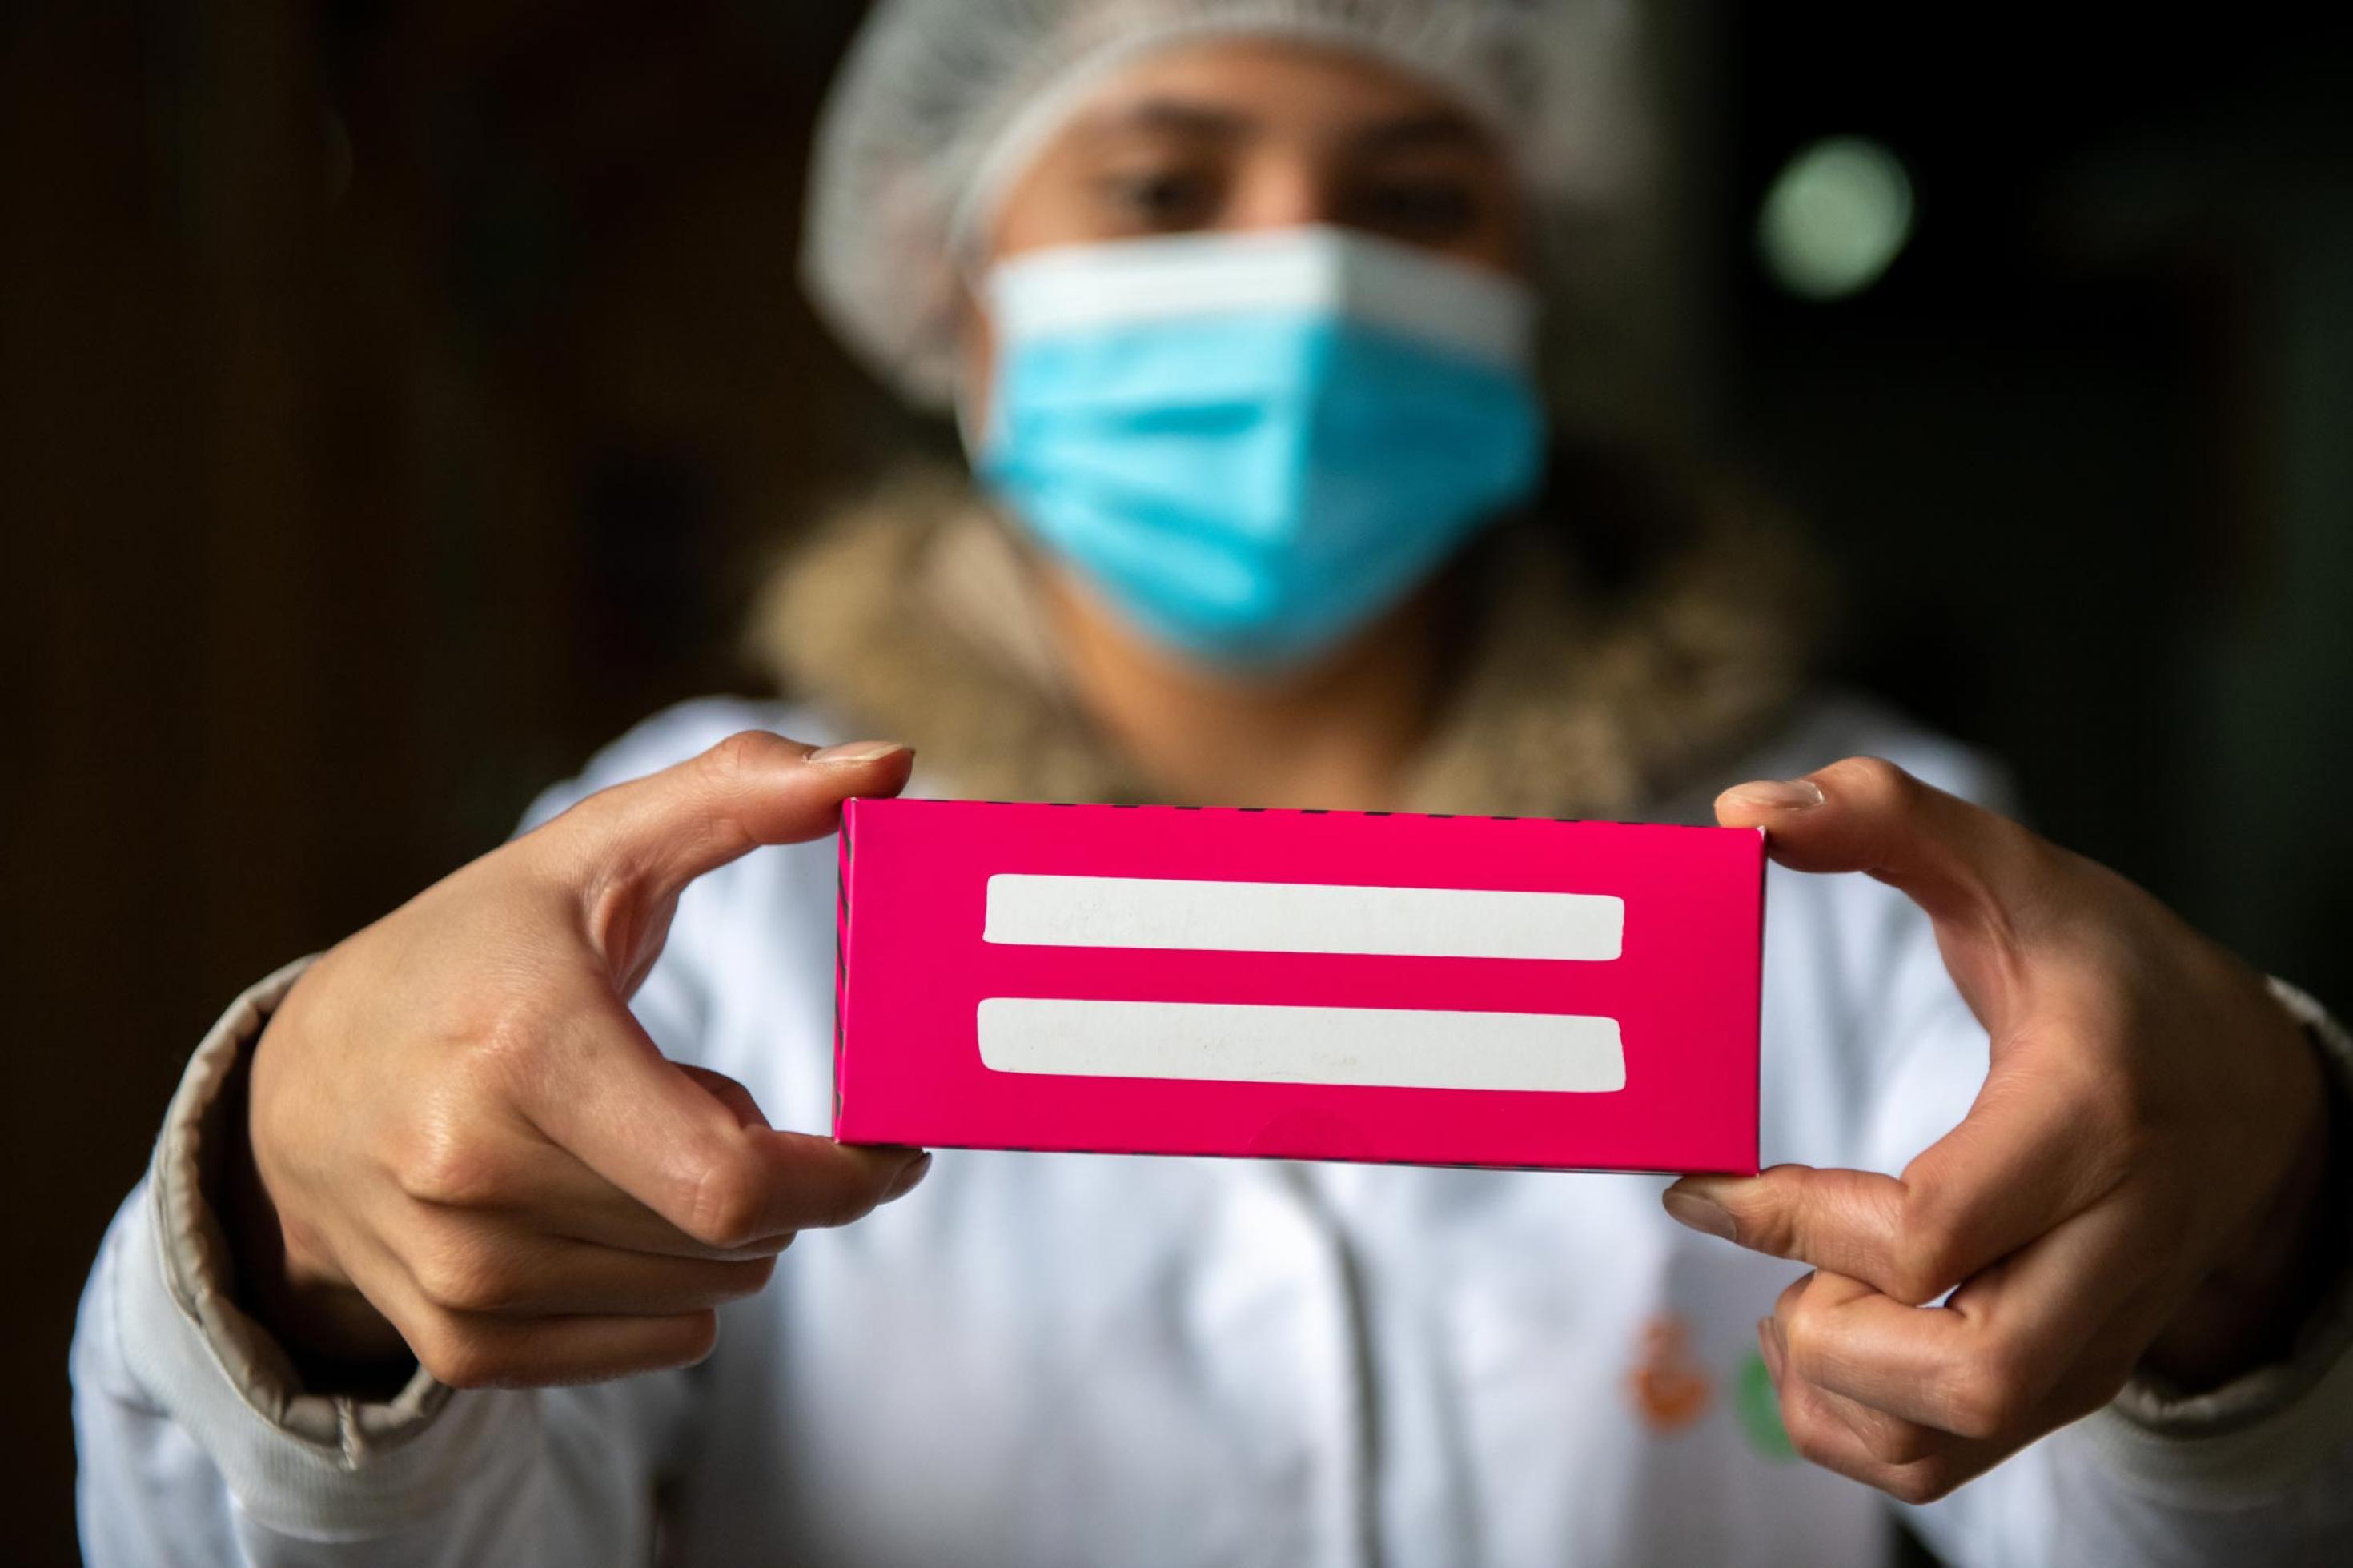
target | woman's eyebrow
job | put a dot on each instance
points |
(1435, 127)
(1420, 131)
(1173, 115)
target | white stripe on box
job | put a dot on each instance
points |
(1387, 1048)
(1301, 917)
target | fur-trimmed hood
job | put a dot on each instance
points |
(1586, 690)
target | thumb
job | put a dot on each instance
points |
(628, 851)
(1958, 861)
(1842, 1222)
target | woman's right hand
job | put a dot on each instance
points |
(461, 1141)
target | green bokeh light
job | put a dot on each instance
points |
(1759, 1410)
(1837, 215)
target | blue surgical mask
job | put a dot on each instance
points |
(1251, 445)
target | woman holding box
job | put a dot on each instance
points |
(462, 1242)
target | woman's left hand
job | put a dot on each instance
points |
(2136, 1185)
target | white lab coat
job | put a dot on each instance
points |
(1041, 1359)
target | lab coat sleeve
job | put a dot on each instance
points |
(198, 1445)
(2259, 1471)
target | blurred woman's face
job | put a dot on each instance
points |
(1223, 538)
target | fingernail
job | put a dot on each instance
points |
(1778, 795)
(905, 1181)
(853, 751)
(1688, 1208)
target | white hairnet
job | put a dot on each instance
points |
(941, 104)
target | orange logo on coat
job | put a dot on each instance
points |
(1669, 1387)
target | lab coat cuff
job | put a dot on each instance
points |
(2264, 1431)
(304, 1463)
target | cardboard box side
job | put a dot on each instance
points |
(1756, 1019)
(842, 961)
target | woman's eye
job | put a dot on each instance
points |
(1424, 210)
(1161, 198)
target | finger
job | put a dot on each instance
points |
(2016, 1167)
(646, 839)
(534, 1185)
(588, 1208)
(474, 1266)
(1805, 1417)
(1795, 1331)
(1820, 1438)
(474, 1350)
(1818, 1430)
(593, 1210)
(1848, 1222)
(599, 1088)
(1819, 1425)
(1959, 862)
(479, 1350)
(1890, 1440)
(1988, 1362)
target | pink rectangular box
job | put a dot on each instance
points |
(1324, 985)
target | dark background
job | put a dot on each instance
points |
(397, 401)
